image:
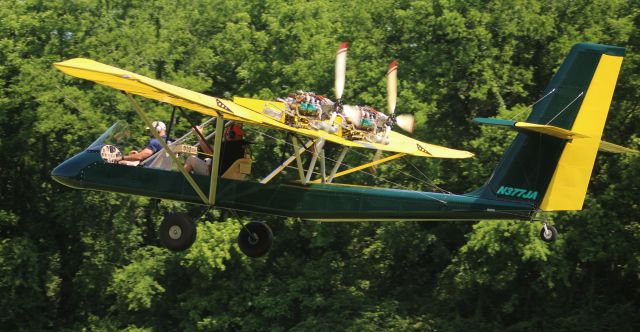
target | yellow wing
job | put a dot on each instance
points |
(404, 144)
(252, 111)
(398, 143)
(153, 89)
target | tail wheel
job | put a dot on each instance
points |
(548, 233)
(255, 239)
(177, 231)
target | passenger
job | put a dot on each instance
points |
(233, 148)
(135, 157)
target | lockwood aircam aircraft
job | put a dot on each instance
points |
(546, 168)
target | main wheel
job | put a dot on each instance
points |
(255, 239)
(177, 231)
(549, 234)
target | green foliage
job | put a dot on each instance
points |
(77, 260)
(135, 285)
(20, 283)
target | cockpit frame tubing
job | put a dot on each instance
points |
(179, 140)
(173, 157)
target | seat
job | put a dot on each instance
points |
(160, 160)
(238, 170)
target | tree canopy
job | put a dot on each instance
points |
(84, 260)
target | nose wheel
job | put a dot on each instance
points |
(177, 231)
(548, 233)
(255, 239)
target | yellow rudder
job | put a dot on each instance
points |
(570, 180)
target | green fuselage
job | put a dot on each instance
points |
(321, 202)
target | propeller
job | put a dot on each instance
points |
(392, 86)
(407, 122)
(341, 69)
(404, 121)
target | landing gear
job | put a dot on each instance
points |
(177, 231)
(255, 239)
(548, 233)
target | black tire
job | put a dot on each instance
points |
(258, 246)
(550, 236)
(177, 231)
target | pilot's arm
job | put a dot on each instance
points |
(138, 156)
(203, 145)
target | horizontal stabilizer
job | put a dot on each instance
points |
(495, 122)
(534, 127)
(614, 148)
(551, 131)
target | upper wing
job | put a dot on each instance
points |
(254, 113)
(398, 143)
(404, 144)
(153, 89)
(260, 106)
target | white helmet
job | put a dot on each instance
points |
(159, 126)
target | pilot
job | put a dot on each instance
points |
(135, 157)
(233, 148)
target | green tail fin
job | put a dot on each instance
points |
(549, 171)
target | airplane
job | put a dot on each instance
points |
(547, 167)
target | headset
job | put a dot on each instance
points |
(233, 132)
(159, 126)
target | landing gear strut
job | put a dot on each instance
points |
(177, 231)
(548, 233)
(255, 239)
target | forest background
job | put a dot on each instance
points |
(72, 259)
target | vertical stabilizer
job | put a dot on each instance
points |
(550, 172)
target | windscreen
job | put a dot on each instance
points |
(118, 134)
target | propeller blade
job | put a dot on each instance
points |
(392, 86)
(341, 69)
(406, 122)
(352, 113)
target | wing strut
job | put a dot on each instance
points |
(217, 143)
(286, 163)
(355, 169)
(173, 157)
(338, 163)
(296, 148)
(323, 167)
(317, 149)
